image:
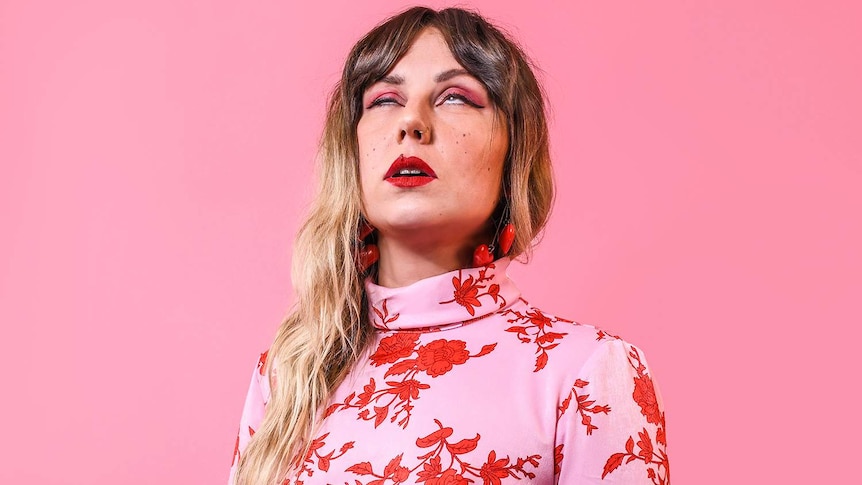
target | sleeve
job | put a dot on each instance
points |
(252, 412)
(611, 423)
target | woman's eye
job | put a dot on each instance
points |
(455, 98)
(382, 101)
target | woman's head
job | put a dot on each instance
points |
(359, 138)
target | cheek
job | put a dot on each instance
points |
(369, 144)
(372, 132)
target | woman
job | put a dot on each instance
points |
(410, 356)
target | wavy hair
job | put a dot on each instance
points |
(327, 329)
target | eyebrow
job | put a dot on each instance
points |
(443, 76)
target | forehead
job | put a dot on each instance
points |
(428, 53)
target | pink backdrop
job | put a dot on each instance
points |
(156, 159)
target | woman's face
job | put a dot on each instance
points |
(430, 108)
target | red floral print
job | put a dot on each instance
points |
(430, 469)
(235, 451)
(439, 356)
(653, 456)
(644, 393)
(383, 316)
(236, 454)
(619, 424)
(467, 291)
(323, 461)
(449, 477)
(261, 363)
(602, 335)
(558, 459)
(585, 406)
(658, 468)
(395, 399)
(394, 348)
(532, 327)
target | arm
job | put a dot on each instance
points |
(252, 412)
(611, 424)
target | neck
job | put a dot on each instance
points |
(402, 264)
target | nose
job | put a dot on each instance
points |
(414, 126)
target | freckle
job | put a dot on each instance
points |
(463, 134)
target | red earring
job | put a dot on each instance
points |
(367, 254)
(507, 238)
(484, 254)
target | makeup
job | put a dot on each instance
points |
(409, 172)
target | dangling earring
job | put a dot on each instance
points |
(484, 253)
(366, 254)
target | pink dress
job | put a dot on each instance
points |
(465, 382)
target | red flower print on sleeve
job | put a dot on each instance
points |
(467, 291)
(429, 469)
(585, 406)
(411, 361)
(236, 451)
(261, 363)
(652, 454)
(644, 393)
(658, 468)
(534, 327)
(602, 335)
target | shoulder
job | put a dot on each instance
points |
(569, 348)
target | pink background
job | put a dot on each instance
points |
(156, 160)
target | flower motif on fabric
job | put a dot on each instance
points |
(602, 335)
(558, 459)
(586, 406)
(261, 362)
(236, 454)
(430, 468)
(323, 461)
(651, 453)
(383, 316)
(468, 291)
(411, 361)
(534, 327)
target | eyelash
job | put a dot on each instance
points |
(463, 98)
(387, 99)
(379, 101)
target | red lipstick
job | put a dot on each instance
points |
(408, 172)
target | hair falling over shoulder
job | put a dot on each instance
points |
(327, 330)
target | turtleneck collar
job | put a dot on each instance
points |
(443, 301)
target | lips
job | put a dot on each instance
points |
(407, 172)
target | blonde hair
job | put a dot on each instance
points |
(327, 330)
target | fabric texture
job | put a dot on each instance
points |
(466, 382)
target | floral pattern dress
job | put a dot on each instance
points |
(466, 382)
